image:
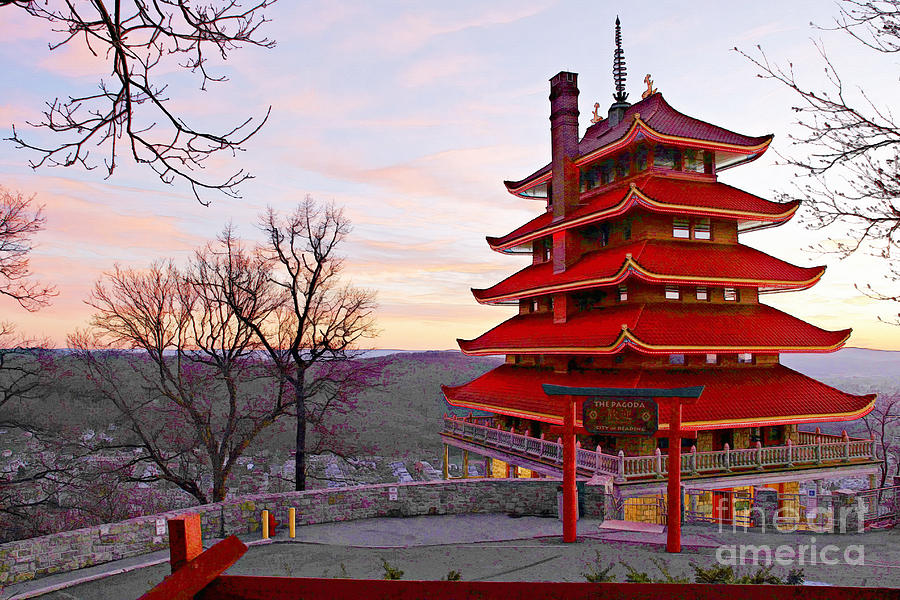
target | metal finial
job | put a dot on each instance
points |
(619, 70)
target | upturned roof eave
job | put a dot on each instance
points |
(505, 291)
(753, 147)
(526, 398)
(629, 200)
(605, 338)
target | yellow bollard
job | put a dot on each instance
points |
(265, 524)
(446, 461)
(292, 522)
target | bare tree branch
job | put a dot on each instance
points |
(137, 40)
(20, 220)
(847, 152)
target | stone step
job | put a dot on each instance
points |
(618, 525)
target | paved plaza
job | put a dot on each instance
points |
(493, 547)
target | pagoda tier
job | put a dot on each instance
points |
(651, 119)
(658, 328)
(657, 261)
(732, 397)
(660, 194)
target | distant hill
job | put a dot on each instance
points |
(401, 414)
(855, 370)
(847, 362)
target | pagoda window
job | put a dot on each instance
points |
(673, 292)
(712, 359)
(607, 169)
(686, 443)
(773, 436)
(681, 228)
(589, 300)
(626, 229)
(546, 244)
(667, 157)
(676, 359)
(702, 229)
(730, 294)
(641, 158)
(534, 306)
(598, 233)
(623, 293)
(745, 358)
(623, 165)
(590, 178)
(703, 294)
(693, 161)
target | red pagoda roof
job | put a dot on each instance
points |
(658, 194)
(732, 397)
(659, 261)
(653, 118)
(658, 328)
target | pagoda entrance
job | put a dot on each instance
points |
(623, 411)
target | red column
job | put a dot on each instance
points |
(570, 502)
(673, 539)
(185, 540)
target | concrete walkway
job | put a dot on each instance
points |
(482, 547)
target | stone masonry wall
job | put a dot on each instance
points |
(27, 559)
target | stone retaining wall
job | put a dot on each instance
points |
(28, 559)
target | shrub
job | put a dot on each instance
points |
(390, 572)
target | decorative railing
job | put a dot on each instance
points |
(813, 449)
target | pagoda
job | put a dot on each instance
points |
(638, 280)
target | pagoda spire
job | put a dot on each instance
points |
(619, 69)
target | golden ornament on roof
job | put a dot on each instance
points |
(650, 89)
(597, 118)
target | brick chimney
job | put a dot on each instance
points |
(564, 186)
(564, 142)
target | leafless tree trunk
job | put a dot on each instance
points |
(314, 331)
(137, 39)
(882, 425)
(848, 147)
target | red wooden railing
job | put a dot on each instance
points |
(200, 576)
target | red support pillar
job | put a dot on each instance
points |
(185, 540)
(570, 502)
(673, 519)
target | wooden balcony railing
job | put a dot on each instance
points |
(813, 449)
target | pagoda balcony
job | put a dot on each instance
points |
(814, 450)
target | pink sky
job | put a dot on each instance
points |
(410, 116)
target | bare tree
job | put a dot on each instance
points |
(882, 425)
(849, 146)
(25, 370)
(24, 363)
(138, 39)
(313, 333)
(20, 220)
(190, 390)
